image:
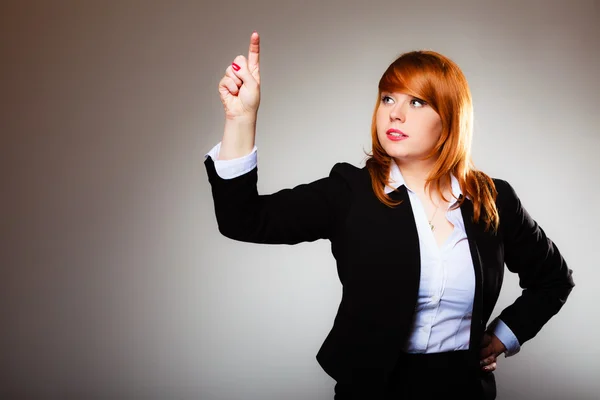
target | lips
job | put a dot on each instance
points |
(396, 132)
(396, 135)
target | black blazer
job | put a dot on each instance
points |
(378, 262)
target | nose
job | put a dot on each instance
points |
(398, 112)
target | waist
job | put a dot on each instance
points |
(461, 359)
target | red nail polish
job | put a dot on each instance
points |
(235, 66)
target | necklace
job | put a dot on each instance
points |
(432, 217)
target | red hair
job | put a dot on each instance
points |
(439, 81)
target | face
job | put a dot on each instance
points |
(407, 127)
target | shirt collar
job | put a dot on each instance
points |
(396, 180)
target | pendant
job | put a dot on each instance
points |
(432, 227)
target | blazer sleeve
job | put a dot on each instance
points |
(304, 213)
(543, 273)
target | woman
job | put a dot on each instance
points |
(419, 235)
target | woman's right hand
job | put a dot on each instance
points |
(240, 87)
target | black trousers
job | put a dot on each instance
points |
(420, 376)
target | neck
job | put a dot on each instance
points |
(415, 172)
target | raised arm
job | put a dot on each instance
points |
(305, 213)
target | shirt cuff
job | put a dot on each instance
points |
(229, 169)
(507, 337)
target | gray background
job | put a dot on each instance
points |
(115, 282)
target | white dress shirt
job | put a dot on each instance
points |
(445, 302)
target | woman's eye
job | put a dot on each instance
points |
(385, 99)
(416, 102)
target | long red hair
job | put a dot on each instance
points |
(439, 81)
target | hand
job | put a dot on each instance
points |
(491, 348)
(240, 90)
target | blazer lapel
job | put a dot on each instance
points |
(473, 230)
(404, 266)
(403, 218)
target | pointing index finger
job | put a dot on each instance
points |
(254, 51)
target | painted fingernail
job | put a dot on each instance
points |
(235, 66)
